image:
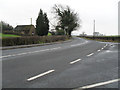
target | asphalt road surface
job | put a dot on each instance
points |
(79, 64)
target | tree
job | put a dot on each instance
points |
(5, 26)
(67, 19)
(42, 24)
(46, 21)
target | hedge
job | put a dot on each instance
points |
(26, 40)
(104, 38)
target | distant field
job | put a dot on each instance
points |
(8, 35)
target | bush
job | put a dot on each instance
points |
(32, 40)
(104, 38)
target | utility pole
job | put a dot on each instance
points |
(31, 20)
(94, 28)
(1, 28)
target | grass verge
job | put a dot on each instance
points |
(8, 35)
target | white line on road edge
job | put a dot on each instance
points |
(90, 54)
(102, 48)
(98, 50)
(75, 61)
(29, 52)
(74, 45)
(105, 46)
(55, 48)
(98, 84)
(40, 75)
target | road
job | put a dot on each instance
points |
(77, 64)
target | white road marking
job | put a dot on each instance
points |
(44, 50)
(90, 54)
(29, 52)
(6, 56)
(102, 48)
(105, 46)
(78, 44)
(98, 50)
(21, 53)
(99, 84)
(75, 61)
(111, 51)
(40, 75)
(55, 48)
(75, 45)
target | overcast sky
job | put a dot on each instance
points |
(105, 12)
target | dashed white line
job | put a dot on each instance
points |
(55, 48)
(75, 45)
(29, 52)
(43, 50)
(98, 84)
(106, 44)
(90, 54)
(79, 44)
(40, 75)
(21, 53)
(75, 61)
(6, 56)
(102, 48)
(98, 50)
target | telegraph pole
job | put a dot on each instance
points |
(1, 28)
(93, 28)
(31, 20)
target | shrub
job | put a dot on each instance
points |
(32, 40)
(104, 38)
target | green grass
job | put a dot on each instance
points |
(8, 35)
(49, 34)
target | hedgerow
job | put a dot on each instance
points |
(26, 40)
(104, 38)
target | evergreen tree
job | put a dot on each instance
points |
(46, 24)
(42, 24)
(6, 26)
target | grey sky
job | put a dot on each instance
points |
(105, 12)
